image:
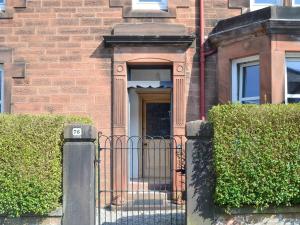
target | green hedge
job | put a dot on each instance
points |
(30, 162)
(256, 154)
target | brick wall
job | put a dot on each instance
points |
(215, 10)
(68, 70)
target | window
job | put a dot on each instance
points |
(150, 4)
(259, 4)
(1, 89)
(296, 2)
(150, 74)
(292, 84)
(245, 80)
(2, 5)
(158, 119)
(145, 77)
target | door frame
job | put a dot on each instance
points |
(151, 96)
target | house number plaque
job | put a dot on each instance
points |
(76, 131)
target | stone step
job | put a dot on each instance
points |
(135, 186)
(147, 195)
(148, 185)
(148, 205)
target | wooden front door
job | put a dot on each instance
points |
(156, 128)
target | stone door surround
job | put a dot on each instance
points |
(124, 56)
(145, 55)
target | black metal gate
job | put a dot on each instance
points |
(141, 180)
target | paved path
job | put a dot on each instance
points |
(154, 217)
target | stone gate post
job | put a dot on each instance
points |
(78, 175)
(200, 173)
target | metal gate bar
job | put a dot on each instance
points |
(141, 180)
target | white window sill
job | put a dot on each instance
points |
(149, 7)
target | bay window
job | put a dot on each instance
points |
(245, 80)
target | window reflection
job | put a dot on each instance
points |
(293, 76)
(293, 79)
(250, 81)
(293, 100)
(150, 74)
(249, 76)
(158, 119)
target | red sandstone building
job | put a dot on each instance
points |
(134, 66)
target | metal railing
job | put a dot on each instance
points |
(140, 180)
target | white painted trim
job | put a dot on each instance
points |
(246, 64)
(285, 79)
(234, 82)
(2, 89)
(133, 131)
(294, 57)
(256, 6)
(291, 55)
(236, 95)
(161, 5)
(249, 99)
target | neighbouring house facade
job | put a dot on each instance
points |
(133, 66)
(84, 56)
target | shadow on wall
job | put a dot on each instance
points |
(203, 177)
(102, 52)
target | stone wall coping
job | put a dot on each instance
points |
(252, 210)
(56, 213)
(113, 40)
(199, 128)
(270, 20)
(80, 132)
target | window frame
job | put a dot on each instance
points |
(138, 5)
(294, 3)
(289, 56)
(2, 89)
(2, 5)
(141, 67)
(256, 6)
(237, 75)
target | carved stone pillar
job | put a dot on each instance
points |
(119, 98)
(119, 154)
(178, 98)
(178, 128)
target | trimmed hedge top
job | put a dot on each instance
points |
(30, 162)
(256, 154)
